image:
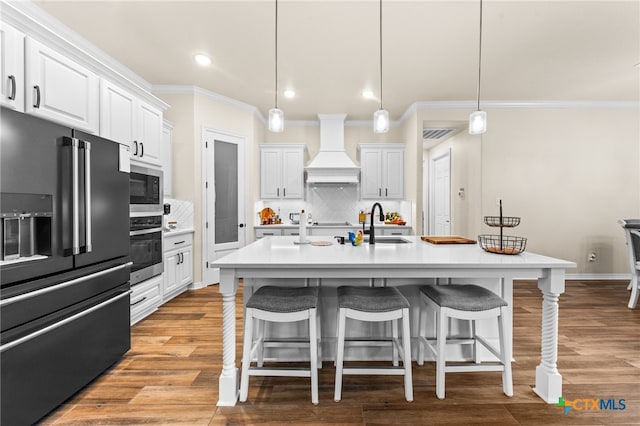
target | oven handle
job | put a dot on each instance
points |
(144, 231)
(63, 322)
(62, 285)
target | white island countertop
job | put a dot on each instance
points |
(279, 257)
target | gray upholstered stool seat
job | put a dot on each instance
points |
(284, 299)
(280, 304)
(371, 299)
(465, 302)
(464, 297)
(375, 304)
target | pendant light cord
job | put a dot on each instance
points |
(380, 54)
(479, 55)
(276, 50)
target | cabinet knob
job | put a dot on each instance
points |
(242, 225)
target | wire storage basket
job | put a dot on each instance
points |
(504, 244)
(504, 221)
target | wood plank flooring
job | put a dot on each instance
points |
(170, 375)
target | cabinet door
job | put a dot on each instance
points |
(267, 232)
(171, 260)
(393, 174)
(149, 134)
(185, 268)
(370, 174)
(270, 173)
(167, 158)
(11, 67)
(60, 89)
(117, 114)
(292, 173)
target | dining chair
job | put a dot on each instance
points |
(632, 234)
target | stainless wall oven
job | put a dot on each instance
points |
(145, 236)
(145, 189)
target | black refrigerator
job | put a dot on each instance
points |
(64, 263)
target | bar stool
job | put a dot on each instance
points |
(375, 304)
(279, 304)
(466, 302)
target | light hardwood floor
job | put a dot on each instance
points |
(170, 375)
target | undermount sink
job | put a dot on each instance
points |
(388, 240)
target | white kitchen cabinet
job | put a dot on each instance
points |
(60, 89)
(167, 157)
(145, 298)
(282, 171)
(398, 230)
(267, 232)
(178, 264)
(11, 67)
(381, 171)
(126, 119)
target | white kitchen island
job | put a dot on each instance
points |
(279, 257)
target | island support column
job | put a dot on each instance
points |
(228, 381)
(548, 379)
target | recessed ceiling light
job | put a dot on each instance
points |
(367, 94)
(203, 60)
(289, 93)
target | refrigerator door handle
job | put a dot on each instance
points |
(87, 197)
(75, 196)
(57, 287)
(63, 322)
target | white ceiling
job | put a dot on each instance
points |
(328, 50)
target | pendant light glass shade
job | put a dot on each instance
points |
(477, 122)
(381, 121)
(276, 120)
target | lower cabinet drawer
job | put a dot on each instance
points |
(145, 298)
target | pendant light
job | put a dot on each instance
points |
(381, 116)
(276, 116)
(478, 119)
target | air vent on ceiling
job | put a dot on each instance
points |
(436, 133)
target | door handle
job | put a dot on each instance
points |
(242, 225)
(141, 149)
(284, 192)
(12, 79)
(37, 89)
(87, 196)
(75, 197)
(135, 145)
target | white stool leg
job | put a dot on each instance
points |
(633, 300)
(260, 325)
(406, 345)
(340, 354)
(422, 333)
(246, 354)
(505, 351)
(441, 323)
(394, 337)
(313, 355)
(476, 346)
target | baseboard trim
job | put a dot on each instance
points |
(588, 277)
(197, 286)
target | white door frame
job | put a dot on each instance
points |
(432, 183)
(212, 275)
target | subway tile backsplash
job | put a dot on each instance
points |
(331, 203)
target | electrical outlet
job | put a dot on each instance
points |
(592, 257)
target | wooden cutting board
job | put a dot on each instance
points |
(446, 239)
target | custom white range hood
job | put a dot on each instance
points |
(332, 165)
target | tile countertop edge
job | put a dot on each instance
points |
(177, 232)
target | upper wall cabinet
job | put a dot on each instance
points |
(126, 119)
(167, 158)
(11, 67)
(60, 89)
(282, 171)
(381, 171)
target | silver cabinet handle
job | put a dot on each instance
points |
(87, 192)
(63, 322)
(57, 287)
(37, 89)
(75, 196)
(12, 79)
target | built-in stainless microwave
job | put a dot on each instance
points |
(145, 190)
